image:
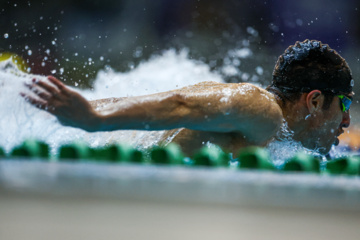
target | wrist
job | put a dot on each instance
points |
(95, 123)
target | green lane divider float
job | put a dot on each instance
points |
(345, 165)
(302, 162)
(170, 154)
(255, 158)
(118, 153)
(75, 151)
(2, 153)
(31, 149)
(211, 156)
(248, 158)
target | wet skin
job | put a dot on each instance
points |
(327, 126)
(230, 115)
(319, 128)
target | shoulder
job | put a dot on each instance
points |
(260, 113)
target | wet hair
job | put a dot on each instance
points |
(310, 65)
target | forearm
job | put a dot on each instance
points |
(154, 112)
(214, 107)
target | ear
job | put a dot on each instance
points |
(314, 101)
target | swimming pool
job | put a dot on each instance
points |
(65, 199)
(53, 189)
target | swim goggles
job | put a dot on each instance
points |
(345, 102)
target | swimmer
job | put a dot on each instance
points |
(311, 90)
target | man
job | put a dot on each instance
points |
(311, 90)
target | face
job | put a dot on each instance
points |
(325, 127)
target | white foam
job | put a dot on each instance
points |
(169, 71)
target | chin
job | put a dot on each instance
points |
(326, 149)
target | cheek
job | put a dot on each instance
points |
(335, 115)
(333, 124)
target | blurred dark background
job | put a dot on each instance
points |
(74, 39)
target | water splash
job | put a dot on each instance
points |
(284, 147)
(22, 121)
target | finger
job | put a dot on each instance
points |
(41, 94)
(44, 95)
(46, 86)
(57, 82)
(29, 86)
(35, 102)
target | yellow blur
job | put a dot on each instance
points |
(16, 59)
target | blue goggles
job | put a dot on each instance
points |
(345, 102)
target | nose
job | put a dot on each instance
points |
(345, 122)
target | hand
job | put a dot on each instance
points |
(68, 106)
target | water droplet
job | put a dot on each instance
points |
(259, 70)
(29, 52)
(6, 35)
(236, 62)
(53, 71)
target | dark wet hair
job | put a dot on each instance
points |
(310, 65)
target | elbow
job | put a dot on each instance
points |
(178, 111)
(180, 105)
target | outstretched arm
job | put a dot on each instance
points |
(208, 106)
